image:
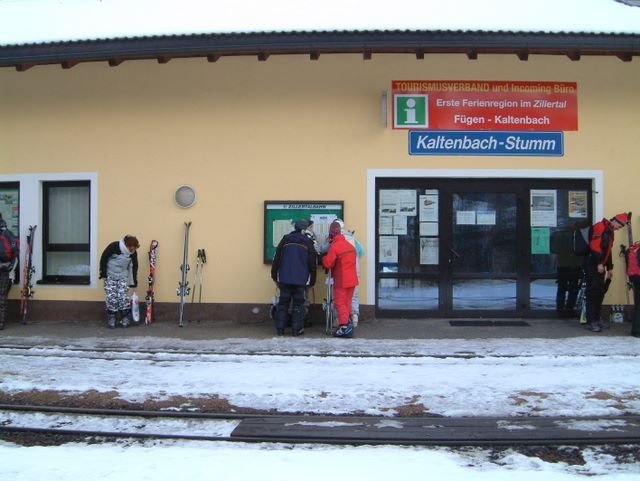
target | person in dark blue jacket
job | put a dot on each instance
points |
(293, 270)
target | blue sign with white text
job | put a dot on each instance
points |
(474, 142)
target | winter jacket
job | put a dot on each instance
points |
(295, 260)
(341, 259)
(351, 238)
(601, 243)
(117, 262)
(9, 249)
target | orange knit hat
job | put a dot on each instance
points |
(622, 218)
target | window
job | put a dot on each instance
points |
(66, 232)
(10, 205)
(10, 210)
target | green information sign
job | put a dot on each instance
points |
(279, 216)
(410, 111)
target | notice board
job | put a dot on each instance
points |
(279, 216)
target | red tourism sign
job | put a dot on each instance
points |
(484, 105)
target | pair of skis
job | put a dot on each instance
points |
(183, 286)
(151, 280)
(26, 293)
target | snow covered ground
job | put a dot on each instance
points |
(455, 377)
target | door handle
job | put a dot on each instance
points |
(454, 255)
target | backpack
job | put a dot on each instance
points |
(633, 262)
(580, 240)
(8, 246)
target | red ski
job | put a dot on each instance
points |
(153, 257)
(26, 292)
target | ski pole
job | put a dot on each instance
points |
(198, 270)
(203, 261)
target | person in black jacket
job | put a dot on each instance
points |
(568, 268)
(119, 269)
(293, 270)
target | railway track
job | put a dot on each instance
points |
(345, 430)
(122, 353)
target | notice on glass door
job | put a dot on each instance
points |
(429, 250)
(392, 224)
(540, 243)
(486, 217)
(388, 253)
(429, 207)
(389, 202)
(407, 202)
(466, 217)
(544, 208)
(578, 204)
(398, 202)
(385, 225)
(429, 229)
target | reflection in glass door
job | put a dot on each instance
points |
(483, 251)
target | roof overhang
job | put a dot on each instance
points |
(315, 44)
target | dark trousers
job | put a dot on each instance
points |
(5, 285)
(294, 295)
(597, 286)
(568, 286)
(635, 322)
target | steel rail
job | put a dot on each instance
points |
(132, 412)
(352, 441)
(350, 437)
(140, 353)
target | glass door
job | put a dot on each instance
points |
(474, 247)
(483, 251)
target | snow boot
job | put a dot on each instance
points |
(594, 327)
(345, 330)
(124, 318)
(111, 319)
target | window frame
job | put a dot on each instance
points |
(48, 247)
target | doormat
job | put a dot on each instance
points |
(487, 323)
